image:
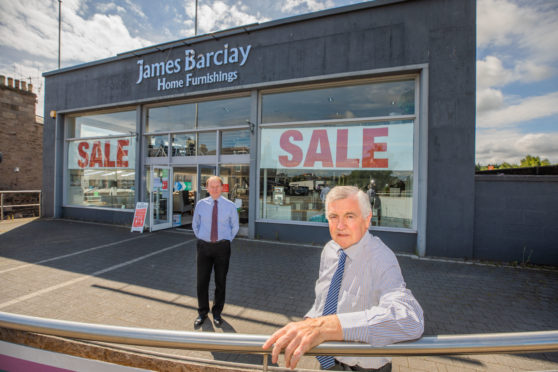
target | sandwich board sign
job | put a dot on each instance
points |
(139, 216)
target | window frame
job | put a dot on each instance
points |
(415, 118)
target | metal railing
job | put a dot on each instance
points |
(2, 205)
(493, 343)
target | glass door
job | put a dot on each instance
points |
(185, 187)
(205, 171)
(160, 198)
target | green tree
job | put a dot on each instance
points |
(533, 161)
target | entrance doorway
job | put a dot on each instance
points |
(184, 195)
(159, 196)
(175, 190)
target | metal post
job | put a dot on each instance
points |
(60, 29)
(265, 362)
(40, 193)
(196, 20)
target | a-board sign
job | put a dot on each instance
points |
(139, 216)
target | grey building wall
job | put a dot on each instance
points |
(516, 218)
(369, 38)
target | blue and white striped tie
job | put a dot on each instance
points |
(330, 306)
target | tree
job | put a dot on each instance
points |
(533, 161)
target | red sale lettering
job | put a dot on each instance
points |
(111, 153)
(341, 160)
(369, 147)
(108, 163)
(319, 137)
(291, 148)
(121, 153)
(84, 155)
(96, 155)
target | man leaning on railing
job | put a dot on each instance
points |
(360, 293)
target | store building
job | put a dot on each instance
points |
(380, 95)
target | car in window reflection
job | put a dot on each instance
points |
(298, 190)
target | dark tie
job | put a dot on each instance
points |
(214, 234)
(330, 306)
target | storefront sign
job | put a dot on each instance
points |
(387, 147)
(102, 154)
(139, 216)
(192, 65)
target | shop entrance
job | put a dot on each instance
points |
(161, 209)
(175, 190)
(184, 195)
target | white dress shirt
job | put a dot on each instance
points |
(374, 306)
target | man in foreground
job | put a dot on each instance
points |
(215, 224)
(360, 293)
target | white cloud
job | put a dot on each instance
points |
(308, 5)
(526, 109)
(491, 72)
(221, 16)
(497, 146)
(33, 28)
(489, 99)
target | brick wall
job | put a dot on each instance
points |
(21, 137)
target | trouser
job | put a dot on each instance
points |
(344, 367)
(212, 256)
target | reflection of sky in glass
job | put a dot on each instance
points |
(115, 123)
(369, 100)
(207, 143)
(223, 113)
(171, 118)
(235, 140)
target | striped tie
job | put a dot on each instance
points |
(330, 306)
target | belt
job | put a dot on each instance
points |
(217, 242)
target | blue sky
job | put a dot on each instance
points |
(517, 53)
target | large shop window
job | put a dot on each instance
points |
(189, 123)
(300, 163)
(101, 160)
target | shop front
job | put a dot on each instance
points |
(364, 95)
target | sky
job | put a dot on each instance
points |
(517, 53)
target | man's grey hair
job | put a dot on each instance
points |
(346, 192)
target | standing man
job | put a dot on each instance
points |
(215, 225)
(360, 293)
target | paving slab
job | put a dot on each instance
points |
(105, 274)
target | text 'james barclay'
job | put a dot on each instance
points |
(192, 62)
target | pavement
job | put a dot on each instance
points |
(105, 274)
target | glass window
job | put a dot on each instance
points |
(235, 142)
(184, 144)
(101, 173)
(207, 143)
(109, 124)
(171, 118)
(158, 146)
(224, 113)
(300, 164)
(345, 102)
(236, 180)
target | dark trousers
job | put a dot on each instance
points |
(212, 256)
(344, 367)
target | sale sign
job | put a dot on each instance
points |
(139, 216)
(385, 147)
(107, 153)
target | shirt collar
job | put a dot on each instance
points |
(356, 250)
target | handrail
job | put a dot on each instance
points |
(2, 206)
(521, 342)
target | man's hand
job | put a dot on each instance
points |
(298, 337)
